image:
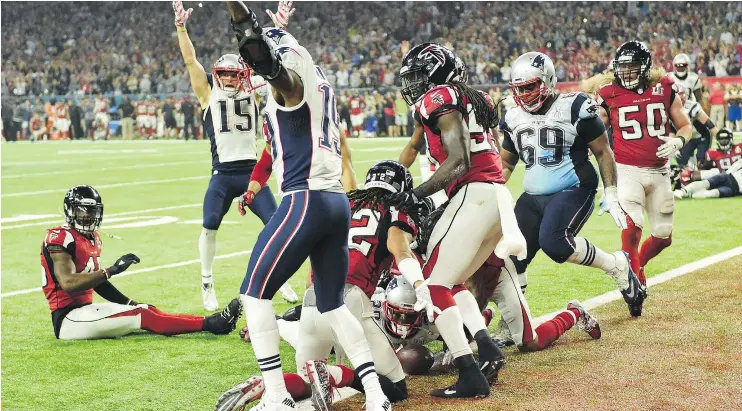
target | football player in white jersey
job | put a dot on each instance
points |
(313, 218)
(685, 79)
(228, 104)
(701, 139)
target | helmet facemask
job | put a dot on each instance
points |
(681, 70)
(530, 95)
(630, 73)
(724, 141)
(402, 321)
(415, 83)
(85, 216)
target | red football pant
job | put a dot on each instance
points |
(651, 247)
(630, 239)
(551, 330)
(161, 323)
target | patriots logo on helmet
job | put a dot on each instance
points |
(539, 62)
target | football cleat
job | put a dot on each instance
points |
(471, 383)
(681, 193)
(242, 394)
(288, 293)
(491, 368)
(586, 322)
(286, 404)
(319, 379)
(502, 336)
(381, 404)
(225, 321)
(208, 294)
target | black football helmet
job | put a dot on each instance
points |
(389, 175)
(631, 65)
(427, 65)
(725, 140)
(83, 209)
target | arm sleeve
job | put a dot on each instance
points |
(507, 141)
(585, 118)
(210, 79)
(111, 293)
(403, 221)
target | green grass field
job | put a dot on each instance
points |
(163, 183)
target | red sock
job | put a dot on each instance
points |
(189, 316)
(551, 330)
(346, 378)
(442, 297)
(630, 239)
(296, 386)
(167, 324)
(651, 247)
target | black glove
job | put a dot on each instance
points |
(253, 49)
(122, 264)
(405, 199)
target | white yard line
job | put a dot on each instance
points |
(78, 159)
(141, 270)
(131, 183)
(98, 170)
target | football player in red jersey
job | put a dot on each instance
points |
(70, 258)
(637, 103)
(721, 173)
(458, 124)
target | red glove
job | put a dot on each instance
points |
(686, 176)
(245, 201)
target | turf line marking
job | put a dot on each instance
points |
(614, 295)
(82, 171)
(132, 183)
(97, 158)
(141, 270)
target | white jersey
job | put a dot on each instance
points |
(305, 139)
(230, 122)
(693, 109)
(689, 84)
(424, 334)
(554, 145)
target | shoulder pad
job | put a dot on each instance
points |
(438, 100)
(588, 109)
(59, 236)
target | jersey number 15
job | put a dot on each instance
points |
(238, 107)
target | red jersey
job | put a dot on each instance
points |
(151, 109)
(486, 165)
(141, 108)
(86, 255)
(37, 124)
(637, 120)
(367, 243)
(62, 112)
(722, 160)
(356, 106)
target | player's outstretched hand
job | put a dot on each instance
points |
(181, 15)
(425, 301)
(405, 199)
(282, 15)
(122, 264)
(672, 144)
(610, 204)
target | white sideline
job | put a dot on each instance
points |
(86, 170)
(141, 270)
(132, 183)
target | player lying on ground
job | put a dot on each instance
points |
(227, 98)
(458, 124)
(703, 132)
(640, 104)
(552, 133)
(721, 175)
(70, 257)
(378, 236)
(313, 219)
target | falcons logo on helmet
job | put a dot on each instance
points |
(433, 52)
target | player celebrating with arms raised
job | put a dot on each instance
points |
(228, 103)
(552, 133)
(313, 219)
(637, 103)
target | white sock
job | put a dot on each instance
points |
(470, 313)
(706, 194)
(349, 334)
(697, 186)
(265, 341)
(289, 331)
(207, 252)
(450, 325)
(588, 254)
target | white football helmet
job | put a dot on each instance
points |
(681, 62)
(402, 320)
(533, 80)
(231, 65)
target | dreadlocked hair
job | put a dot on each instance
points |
(484, 112)
(373, 198)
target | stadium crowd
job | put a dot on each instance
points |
(133, 48)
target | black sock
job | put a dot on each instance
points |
(487, 347)
(395, 391)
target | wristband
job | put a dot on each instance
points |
(181, 28)
(262, 171)
(107, 273)
(682, 139)
(410, 269)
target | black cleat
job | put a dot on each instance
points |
(491, 358)
(471, 382)
(635, 309)
(491, 369)
(634, 295)
(225, 321)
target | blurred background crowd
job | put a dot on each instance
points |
(51, 52)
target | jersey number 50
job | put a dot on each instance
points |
(631, 129)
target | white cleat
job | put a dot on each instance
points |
(680, 194)
(379, 404)
(242, 394)
(621, 272)
(288, 293)
(286, 404)
(209, 296)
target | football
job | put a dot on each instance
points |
(416, 359)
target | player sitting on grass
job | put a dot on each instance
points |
(720, 174)
(70, 258)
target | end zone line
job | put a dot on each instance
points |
(141, 270)
(614, 295)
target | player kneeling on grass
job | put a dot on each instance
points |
(721, 173)
(70, 258)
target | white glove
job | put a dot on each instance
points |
(281, 17)
(181, 16)
(425, 302)
(611, 205)
(672, 144)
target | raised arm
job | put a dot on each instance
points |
(74, 282)
(349, 174)
(409, 153)
(196, 71)
(260, 57)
